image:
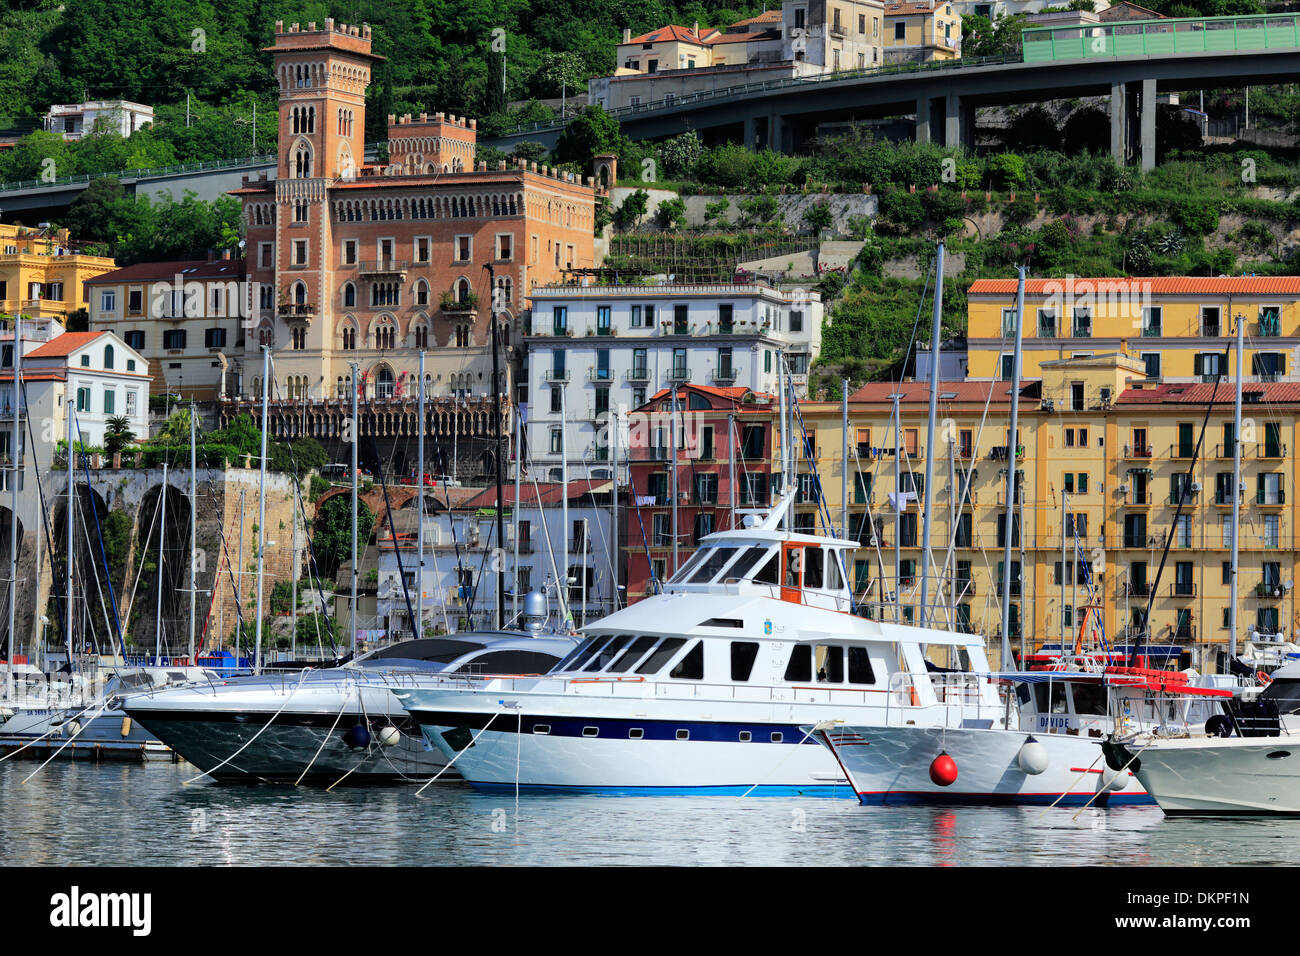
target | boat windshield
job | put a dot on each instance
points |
(717, 560)
(691, 564)
(1286, 693)
(746, 561)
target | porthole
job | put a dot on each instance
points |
(746, 736)
(1279, 754)
(636, 733)
(541, 728)
(683, 735)
(590, 731)
(777, 737)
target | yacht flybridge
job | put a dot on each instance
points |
(703, 688)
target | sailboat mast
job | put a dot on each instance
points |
(898, 508)
(162, 537)
(1236, 492)
(356, 438)
(563, 582)
(194, 530)
(419, 510)
(261, 505)
(69, 400)
(672, 440)
(844, 459)
(519, 432)
(928, 490)
(1005, 662)
(613, 512)
(13, 505)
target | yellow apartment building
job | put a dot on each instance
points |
(41, 276)
(1181, 328)
(918, 31)
(1102, 457)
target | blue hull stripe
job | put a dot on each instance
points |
(724, 790)
(616, 728)
(915, 798)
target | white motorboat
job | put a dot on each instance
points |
(704, 688)
(1245, 762)
(1051, 750)
(328, 722)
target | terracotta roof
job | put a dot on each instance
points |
(1115, 8)
(1201, 393)
(919, 392)
(1156, 285)
(734, 394)
(673, 32)
(189, 268)
(746, 37)
(909, 6)
(767, 16)
(551, 492)
(37, 375)
(64, 345)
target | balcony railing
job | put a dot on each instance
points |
(724, 376)
(556, 375)
(1138, 541)
(1002, 452)
(1182, 451)
(383, 267)
(637, 374)
(1189, 496)
(1182, 589)
(1266, 589)
(1265, 497)
(1141, 589)
(600, 375)
(1082, 330)
(1270, 326)
(1266, 449)
(1151, 331)
(296, 308)
(1184, 632)
(679, 373)
(1138, 498)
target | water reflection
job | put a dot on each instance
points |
(76, 813)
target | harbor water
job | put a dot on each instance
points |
(84, 814)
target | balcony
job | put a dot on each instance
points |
(1266, 497)
(1182, 589)
(1140, 589)
(556, 375)
(1081, 330)
(964, 587)
(678, 374)
(1138, 541)
(1137, 499)
(1046, 329)
(1002, 452)
(579, 545)
(636, 375)
(1015, 587)
(1211, 330)
(383, 267)
(1137, 451)
(295, 309)
(1151, 331)
(1270, 326)
(1223, 498)
(1267, 590)
(1182, 451)
(1265, 449)
(599, 375)
(1184, 632)
(724, 376)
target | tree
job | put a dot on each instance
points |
(633, 208)
(678, 156)
(591, 132)
(89, 218)
(671, 214)
(332, 532)
(118, 434)
(715, 213)
(818, 216)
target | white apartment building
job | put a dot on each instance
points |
(75, 120)
(184, 317)
(460, 579)
(593, 349)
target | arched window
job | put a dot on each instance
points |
(462, 291)
(349, 296)
(302, 162)
(108, 356)
(384, 383)
(422, 293)
(300, 293)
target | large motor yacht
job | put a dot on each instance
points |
(326, 723)
(704, 688)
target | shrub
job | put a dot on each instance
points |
(671, 214)
(818, 216)
(903, 209)
(1007, 171)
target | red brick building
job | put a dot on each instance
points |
(371, 264)
(703, 487)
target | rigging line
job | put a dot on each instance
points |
(45, 521)
(780, 764)
(561, 587)
(478, 578)
(302, 677)
(1183, 491)
(451, 523)
(99, 534)
(392, 530)
(609, 564)
(130, 605)
(645, 544)
(99, 591)
(458, 754)
(68, 742)
(364, 718)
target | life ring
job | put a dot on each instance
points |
(1263, 678)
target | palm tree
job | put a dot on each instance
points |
(118, 434)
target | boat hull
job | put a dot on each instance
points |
(1232, 776)
(550, 748)
(891, 765)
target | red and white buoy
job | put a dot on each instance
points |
(943, 770)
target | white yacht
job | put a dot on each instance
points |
(1244, 762)
(331, 721)
(704, 688)
(1052, 749)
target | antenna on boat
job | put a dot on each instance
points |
(1007, 663)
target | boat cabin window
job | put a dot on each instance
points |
(768, 573)
(800, 666)
(718, 559)
(684, 572)
(1286, 693)
(607, 653)
(666, 649)
(691, 666)
(509, 662)
(1089, 699)
(860, 671)
(830, 662)
(743, 654)
(812, 570)
(833, 580)
(793, 567)
(1055, 704)
(746, 561)
(579, 657)
(632, 654)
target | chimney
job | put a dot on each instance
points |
(212, 255)
(627, 34)
(696, 29)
